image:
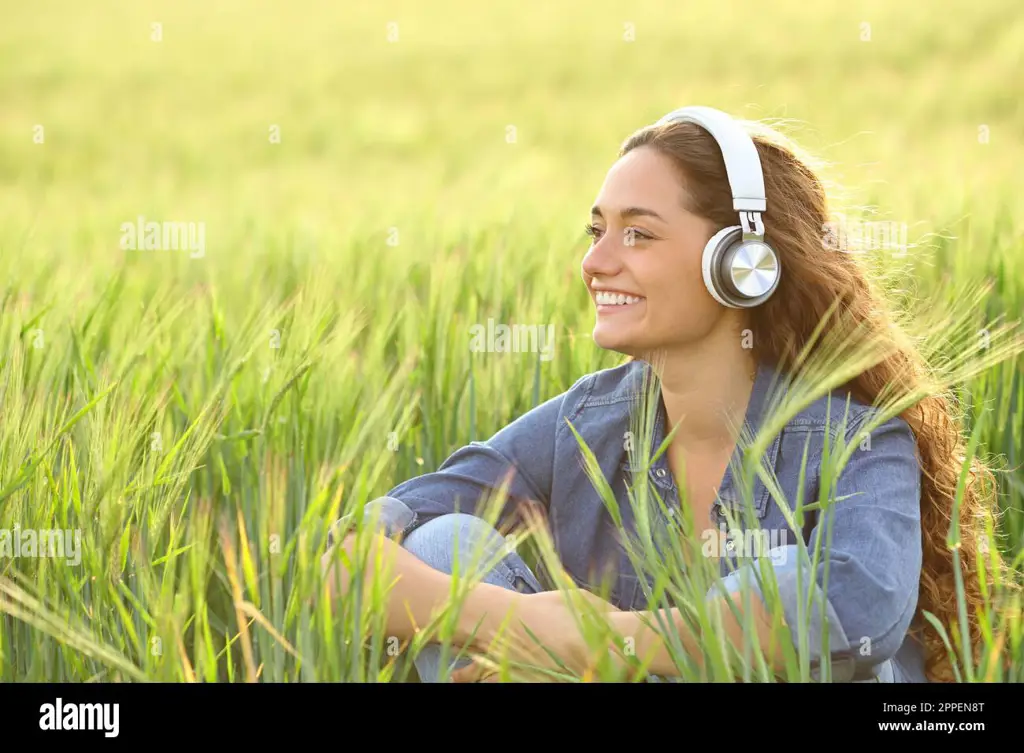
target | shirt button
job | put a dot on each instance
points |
(661, 473)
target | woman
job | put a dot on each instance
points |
(723, 349)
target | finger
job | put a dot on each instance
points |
(466, 674)
(472, 672)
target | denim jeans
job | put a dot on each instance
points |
(472, 540)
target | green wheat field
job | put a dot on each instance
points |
(365, 183)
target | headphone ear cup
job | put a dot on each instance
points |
(711, 263)
(738, 273)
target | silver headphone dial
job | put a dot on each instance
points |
(752, 269)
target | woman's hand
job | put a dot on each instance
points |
(542, 632)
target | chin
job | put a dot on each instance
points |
(616, 341)
(630, 344)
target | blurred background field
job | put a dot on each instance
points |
(374, 179)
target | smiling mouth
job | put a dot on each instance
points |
(608, 301)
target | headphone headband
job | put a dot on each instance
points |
(740, 270)
(742, 163)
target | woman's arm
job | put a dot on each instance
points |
(414, 591)
(516, 462)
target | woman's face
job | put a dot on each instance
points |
(647, 247)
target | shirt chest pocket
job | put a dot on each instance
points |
(738, 533)
(760, 526)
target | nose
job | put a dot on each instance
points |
(600, 260)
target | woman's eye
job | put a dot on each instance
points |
(631, 232)
(629, 235)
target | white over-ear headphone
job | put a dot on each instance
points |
(740, 269)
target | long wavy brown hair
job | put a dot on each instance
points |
(818, 285)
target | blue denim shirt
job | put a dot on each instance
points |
(875, 545)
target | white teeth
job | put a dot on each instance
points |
(605, 298)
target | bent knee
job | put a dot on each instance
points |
(391, 516)
(469, 539)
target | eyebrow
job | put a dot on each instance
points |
(629, 212)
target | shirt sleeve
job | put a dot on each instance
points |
(518, 459)
(868, 541)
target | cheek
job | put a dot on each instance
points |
(680, 303)
(680, 284)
